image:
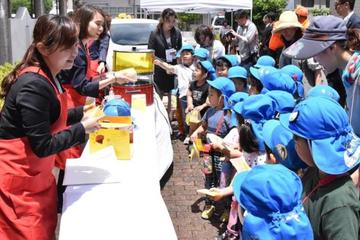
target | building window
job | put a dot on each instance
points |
(307, 3)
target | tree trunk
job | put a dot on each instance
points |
(62, 7)
(39, 8)
(5, 39)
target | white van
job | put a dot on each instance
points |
(129, 35)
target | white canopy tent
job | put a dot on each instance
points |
(195, 6)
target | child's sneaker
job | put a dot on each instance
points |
(227, 236)
(187, 141)
(208, 212)
(224, 216)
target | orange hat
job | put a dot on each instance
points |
(301, 11)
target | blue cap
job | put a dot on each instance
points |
(320, 35)
(237, 72)
(224, 85)
(294, 72)
(324, 91)
(187, 47)
(324, 122)
(279, 81)
(259, 73)
(280, 141)
(235, 98)
(258, 109)
(271, 196)
(265, 60)
(284, 101)
(209, 68)
(201, 53)
(117, 107)
(232, 59)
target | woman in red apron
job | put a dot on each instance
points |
(35, 124)
(82, 80)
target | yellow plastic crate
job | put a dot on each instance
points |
(116, 132)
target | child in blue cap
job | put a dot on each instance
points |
(239, 76)
(280, 146)
(197, 93)
(184, 72)
(215, 121)
(271, 196)
(255, 79)
(325, 141)
(224, 63)
(256, 110)
(231, 140)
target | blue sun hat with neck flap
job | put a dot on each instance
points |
(271, 196)
(209, 69)
(279, 81)
(224, 85)
(237, 72)
(265, 60)
(260, 72)
(202, 54)
(323, 121)
(235, 98)
(233, 60)
(324, 91)
(285, 101)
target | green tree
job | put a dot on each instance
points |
(320, 11)
(185, 19)
(15, 4)
(262, 7)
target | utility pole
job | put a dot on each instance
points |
(5, 39)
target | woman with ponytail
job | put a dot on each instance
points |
(35, 124)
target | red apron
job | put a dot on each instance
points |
(74, 99)
(27, 185)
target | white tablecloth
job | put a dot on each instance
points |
(131, 208)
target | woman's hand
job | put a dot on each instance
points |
(101, 68)
(125, 76)
(89, 121)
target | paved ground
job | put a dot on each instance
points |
(184, 203)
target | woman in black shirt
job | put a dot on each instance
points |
(34, 127)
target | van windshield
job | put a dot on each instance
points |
(131, 33)
(219, 21)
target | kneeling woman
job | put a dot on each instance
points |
(33, 129)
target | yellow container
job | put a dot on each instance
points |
(116, 132)
(142, 61)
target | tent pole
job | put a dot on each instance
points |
(232, 18)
